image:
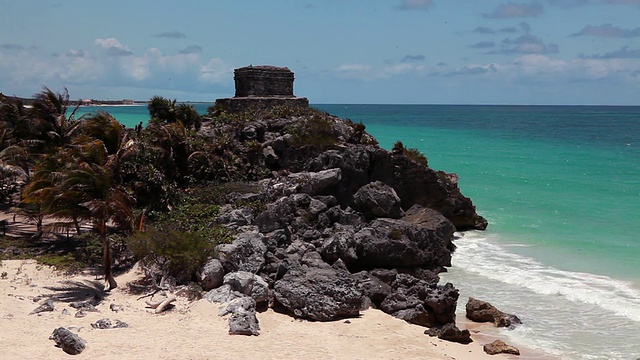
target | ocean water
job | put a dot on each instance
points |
(560, 186)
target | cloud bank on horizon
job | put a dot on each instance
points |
(342, 51)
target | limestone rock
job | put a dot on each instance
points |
(499, 347)
(419, 302)
(322, 294)
(248, 284)
(69, 342)
(389, 243)
(222, 294)
(378, 200)
(212, 274)
(245, 253)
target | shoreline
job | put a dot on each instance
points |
(177, 334)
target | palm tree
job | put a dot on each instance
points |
(50, 111)
(78, 183)
(166, 111)
(90, 183)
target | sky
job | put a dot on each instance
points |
(582, 52)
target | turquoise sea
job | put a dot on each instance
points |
(560, 186)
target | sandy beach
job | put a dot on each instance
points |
(193, 330)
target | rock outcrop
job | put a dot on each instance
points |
(339, 224)
(482, 311)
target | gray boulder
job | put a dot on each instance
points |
(69, 342)
(245, 253)
(212, 274)
(390, 243)
(248, 284)
(244, 323)
(222, 294)
(421, 303)
(316, 183)
(244, 303)
(321, 294)
(377, 200)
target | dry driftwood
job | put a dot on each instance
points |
(160, 305)
(163, 305)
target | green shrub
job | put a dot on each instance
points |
(395, 234)
(412, 153)
(316, 132)
(174, 252)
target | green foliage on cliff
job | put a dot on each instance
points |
(315, 132)
(412, 153)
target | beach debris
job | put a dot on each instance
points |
(65, 312)
(107, 324)
(450, 332)
(160, 305)
(69, 342)
(482, 311)
(84, 306)
(46, 306)
(499, 347)
(116, 308)
(80, 314)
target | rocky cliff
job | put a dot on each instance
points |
(338, 223)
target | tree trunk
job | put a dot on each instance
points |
(106, 252)
(77, 225)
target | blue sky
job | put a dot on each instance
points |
(342, 51)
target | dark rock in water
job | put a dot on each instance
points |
(421, 303)
(107, 324)
(245, 253)
(69, 342)
(322, 294)
(450, 332)
(212, 274)
(248, 284)
(499, 347)
(482, 311)
(377, 200)
(46, 306)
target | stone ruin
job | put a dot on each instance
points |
(262, 87)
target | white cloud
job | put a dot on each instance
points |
(215, 71)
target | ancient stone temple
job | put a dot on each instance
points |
(262, 87)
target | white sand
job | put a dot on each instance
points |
(193, 330)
